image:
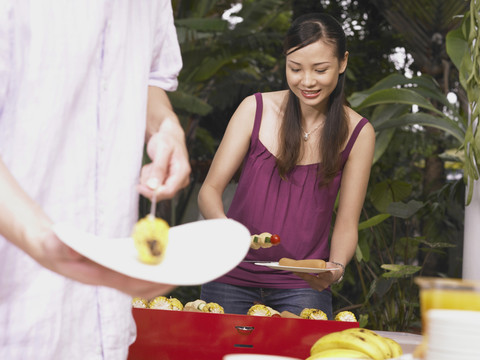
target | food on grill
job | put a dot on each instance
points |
(288, 314)
(161, 303)
(175, 304)
(262, 310)
(138, 302)
(164, 303)
(212, 307)
(307, 263)
(150, 236)
(196, 305)
(345, 316)
(202, 306)
(264, 240)
(313, 314)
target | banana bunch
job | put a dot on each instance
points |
(355, 343)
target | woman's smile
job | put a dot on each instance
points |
(310, 94)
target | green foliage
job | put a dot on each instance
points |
(463, 49)
(407, 229)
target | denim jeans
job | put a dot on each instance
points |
(238, 299)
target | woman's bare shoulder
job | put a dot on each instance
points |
(274, 100)
(353, 116)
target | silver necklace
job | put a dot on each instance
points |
(307, 134)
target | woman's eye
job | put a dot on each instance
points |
(294, 70)
(321, 71)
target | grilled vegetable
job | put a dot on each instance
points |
(139, 303)
(345, 316)
(264, 240)
(150, 236)
(313, 314)
(213, 308)
(262, 310)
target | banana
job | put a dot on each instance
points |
(374, 338)
(395, 347)
(339, 353)
(349, 340)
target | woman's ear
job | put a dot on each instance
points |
(343, 63)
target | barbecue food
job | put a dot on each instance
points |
(139, 303)
(264, 240)
(313, 314)
(262, 310)
(345, 316)
(150, 236)
(307, 263)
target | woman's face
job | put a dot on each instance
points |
(312, 73)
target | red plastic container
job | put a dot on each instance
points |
(183, 335)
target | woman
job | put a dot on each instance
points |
(299, 148)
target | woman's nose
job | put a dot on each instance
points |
(308, 80)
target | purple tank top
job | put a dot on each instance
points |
(296, 209)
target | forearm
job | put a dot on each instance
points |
(22, 219)
(210, 202)
(343, 247)
(160, 114)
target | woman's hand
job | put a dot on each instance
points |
(322, 280)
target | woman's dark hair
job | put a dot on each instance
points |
(305, 30)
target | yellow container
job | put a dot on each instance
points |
(447, 293)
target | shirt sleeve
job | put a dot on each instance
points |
(167, 59)
(5, 55)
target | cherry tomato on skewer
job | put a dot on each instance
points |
(275, 239)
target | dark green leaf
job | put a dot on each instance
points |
(406, 247)
(420, 118)
(399, 271)
(403, 210)
(399, 96)
(203, 24)
(381, 143)
(192, 104)
(389, 191)
(375, 220)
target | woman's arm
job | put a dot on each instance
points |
(353, 188)
(170, 167)
(352, 196)
(227, 160)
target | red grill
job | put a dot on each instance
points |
(183, 335)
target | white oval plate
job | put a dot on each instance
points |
(197, 252)
(276, 266)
